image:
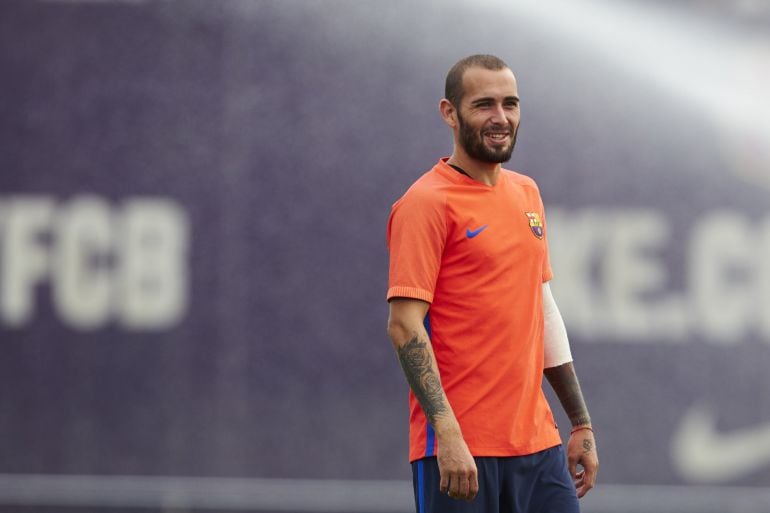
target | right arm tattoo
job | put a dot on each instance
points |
(425, 382)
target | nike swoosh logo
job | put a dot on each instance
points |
(704, 455)
(472, 233)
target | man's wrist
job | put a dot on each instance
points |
(447, 428)
(581, 419)
(586, 427)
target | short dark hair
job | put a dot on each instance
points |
(453, 89)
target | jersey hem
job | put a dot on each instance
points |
(499, 452)
(410, 292)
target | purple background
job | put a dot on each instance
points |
(285, 130)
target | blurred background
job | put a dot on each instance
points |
(193, 199)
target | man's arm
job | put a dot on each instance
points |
(560, 372)
(581, 449)
(405, 327)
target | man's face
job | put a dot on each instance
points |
(488, 114)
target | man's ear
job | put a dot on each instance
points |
(448, 113)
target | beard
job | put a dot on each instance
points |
(472, 142)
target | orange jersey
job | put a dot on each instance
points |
(478, 254)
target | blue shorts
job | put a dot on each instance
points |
(537, 483)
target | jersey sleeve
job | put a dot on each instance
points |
(416, 239)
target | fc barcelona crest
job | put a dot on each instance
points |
(535, 224)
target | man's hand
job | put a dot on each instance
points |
(581, 450)
(459, 476)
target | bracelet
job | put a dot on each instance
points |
(578, 428)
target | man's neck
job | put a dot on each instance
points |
(484, 172)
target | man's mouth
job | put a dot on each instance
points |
(497, 138)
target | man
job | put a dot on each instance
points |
(474, 323)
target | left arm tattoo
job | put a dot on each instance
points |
(564, 382)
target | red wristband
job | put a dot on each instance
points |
(578, 428)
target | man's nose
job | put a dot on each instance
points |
(498, 114)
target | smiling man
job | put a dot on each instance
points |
(474, 323)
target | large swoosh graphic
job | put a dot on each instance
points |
(704, 455)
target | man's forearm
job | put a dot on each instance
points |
(457, 469)
(415, 354)
(417, 362)
(564, 382)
